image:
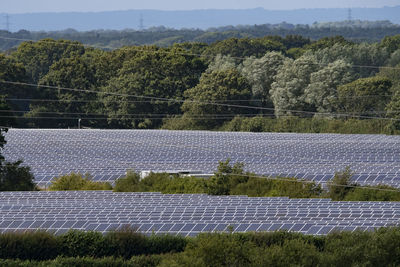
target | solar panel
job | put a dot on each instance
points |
(182, 214)
(108, 154)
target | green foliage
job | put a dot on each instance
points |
(243, 47)
(309, 125)
(14, 177)
(76, 181)
(291, 253)
(377, 248)
(392, 43)
(159, 182)
(353, 97)
(37, 57)
(220, 250)
(80, 244)
(373, 193)
(129, 183)
(340, 185)
(327, 42)
(156, 73)
(138, 261)
(221, 182)
(217, 86)
(28, 246)
(125, 243)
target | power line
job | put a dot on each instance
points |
(163, 51)
(197, 102)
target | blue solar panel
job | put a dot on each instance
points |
(108, 154)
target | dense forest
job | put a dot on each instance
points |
(269, 83)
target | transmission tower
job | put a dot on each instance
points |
(7, 22)
(141, 27)
(349, 16)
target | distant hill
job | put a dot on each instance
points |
(201, 19)
(355, 30)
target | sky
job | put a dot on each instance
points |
(35, 6)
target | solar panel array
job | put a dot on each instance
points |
(108, 154)
(187, 215)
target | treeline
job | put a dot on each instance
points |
(201, 86)
(232, 180)
(357, 31)
(128, 248)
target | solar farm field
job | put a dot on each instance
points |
(108, 154)
(187, 214)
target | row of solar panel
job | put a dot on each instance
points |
(187, 214)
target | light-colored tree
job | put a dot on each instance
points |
(322, 90)
(287, 92)
(260, 72)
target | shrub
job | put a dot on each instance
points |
(340, 185)
(76, 181)
(125, 243)
(130, 183)
(76, 243)
(30, 245)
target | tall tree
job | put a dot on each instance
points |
(216, 88)
(287, 92)
(322, 90)
(37, 57)
(261, 74)
(151, 76)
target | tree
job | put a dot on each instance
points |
(340, 185)
(359, 56)
(151, 76)
(244, 47)
(391, 43)
(37, 57)
(11, 71)
(364, 97)
(72, 72)
(393, 111)
(291, 80)
(225, 177)
(215, 88)
(327, 42)
(14, 177)
(322, 90)
(76, 181)
(261, 74)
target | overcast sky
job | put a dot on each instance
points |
(28, 6)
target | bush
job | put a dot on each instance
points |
(76, 243)
(292, 253)
(130, 183)
(340, 185)
(221, 249)
(125, 243)
(76, 181)
(160, 244)
(376, 193)
(28, 246)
